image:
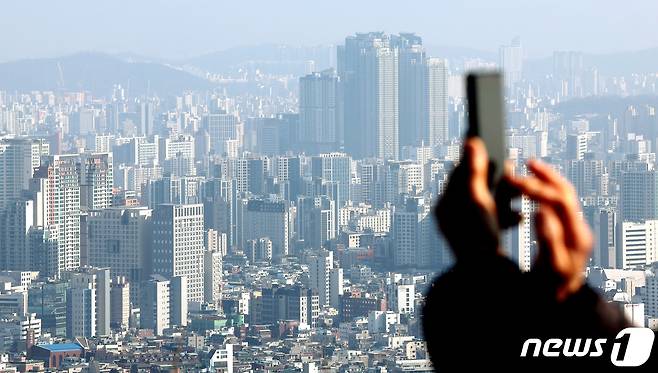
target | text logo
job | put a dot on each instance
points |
(631, 347)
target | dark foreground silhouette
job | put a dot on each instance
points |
(479, 313)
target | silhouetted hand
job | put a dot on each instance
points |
(469, 215)
(565, 240)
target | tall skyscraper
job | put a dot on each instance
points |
(59, 183)
(412, 240)
(568, 73)
(177, 246)
(19, 157)
(413, 80)
(222, 128)
(639, 196)
(16, 221)
(511, 62)
(437, 107)
(586, 176)
(336, 168)
(289, 177)
(212, 271)
(316, 221)
(319, 111)
(88, 303)
(271, 219)
(368, 68)
(96, 180)
(118, 238)
(249, 174)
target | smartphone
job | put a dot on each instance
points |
(486, 119)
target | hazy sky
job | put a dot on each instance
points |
(179, 28)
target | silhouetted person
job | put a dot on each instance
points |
(479, 313)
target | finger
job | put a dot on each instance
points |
(536, 189)
(564, 203)
(546, 173)
(478, 163)
(550, 235)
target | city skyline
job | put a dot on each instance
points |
(278, 215)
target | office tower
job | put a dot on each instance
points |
(325, 278)
(81, 311)
(638, 244)
(290, 303)
(437, 107)
(336, 168)
(371, 175)
(120, 303)
(603, 220)
(212, 268)
(411, 231)
(58, 180)
(249, 175)
(164, 190)
(43, 251)
(222, 128)
(173, 189)
(48, 301)
(404, 177)
(118, 239)
(289, 177)
(16, 221)
(178, 301)
(220, 207)
(83, 122)
(639, 196)
(368, 69)
(568, 73)
(413, 89)
(96, 181)
(19, 157)
(587, 177)
(263, 136)
(319, 111)
(177, 246)
(316, 221)
(511, 62)
(146, 117)
(88, 303)
(155, 305)
(267, 219)
(176, 155)
(576, 146)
